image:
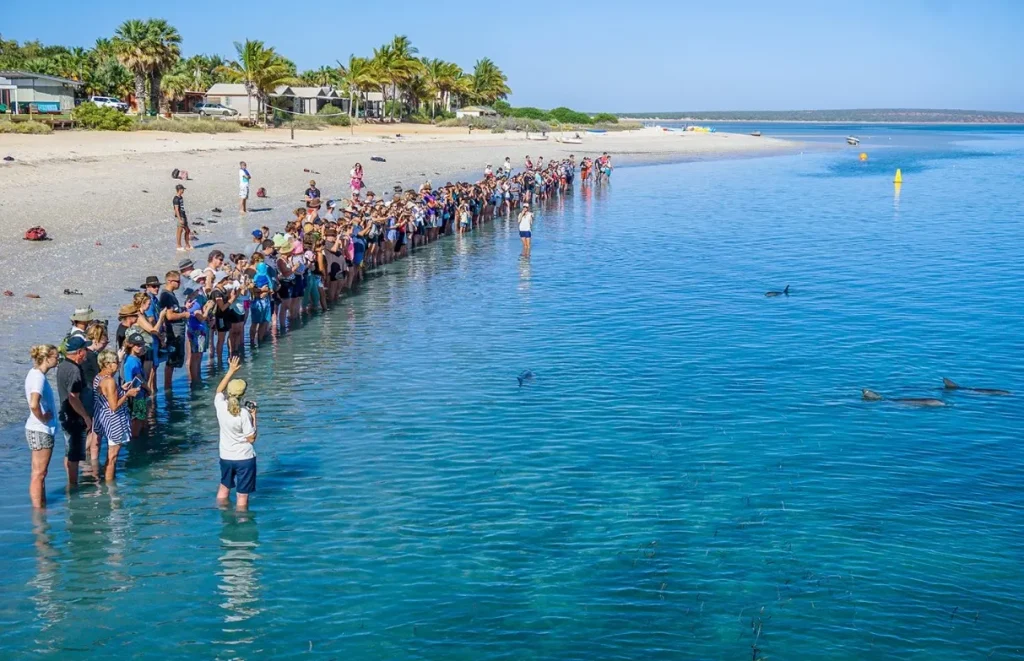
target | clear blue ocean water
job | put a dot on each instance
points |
(691, 475)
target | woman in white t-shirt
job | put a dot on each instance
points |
(526, 228)
(42, 419)
(237, 434)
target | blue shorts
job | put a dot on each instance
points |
(239, 474)
(525, 235)
(260, 311)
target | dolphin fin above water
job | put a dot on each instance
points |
(524, 377)
(947, 384)
(773, 294)
(872, 396)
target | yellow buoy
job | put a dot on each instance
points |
(863, 156)
(899, 177)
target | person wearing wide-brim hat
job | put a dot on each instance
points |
(80, 320)
(127, 315)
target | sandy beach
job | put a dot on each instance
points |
(105, 199)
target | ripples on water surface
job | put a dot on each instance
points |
(691, 474)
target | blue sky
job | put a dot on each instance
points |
(619, 56)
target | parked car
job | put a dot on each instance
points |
(109, 102)
(214, 110)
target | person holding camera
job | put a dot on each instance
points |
(237, 420)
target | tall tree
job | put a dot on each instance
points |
(133, 47)
(360, 78)
(260, 69)
(165, 45)
(489, 82)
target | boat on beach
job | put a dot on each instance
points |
(537, 137)
(574, 140)
(850, 140)
(756, 134)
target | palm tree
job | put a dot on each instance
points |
(133, 48)
(360, 78)
(489, 83)
(259, 68)
(322, 77)
(165, 44)
(174, 85)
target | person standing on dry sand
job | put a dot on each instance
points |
(243, 187)
(178, 203)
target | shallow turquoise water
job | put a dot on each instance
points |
(692, 475)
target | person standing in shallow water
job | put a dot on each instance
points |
(75, 419)
(237, 435)
(42, 419)
(526, 228)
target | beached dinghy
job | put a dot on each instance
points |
(537, 137)
(850, 140)
(756, 134)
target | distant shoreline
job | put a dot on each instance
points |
(816, 121)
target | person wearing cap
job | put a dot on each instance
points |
(175, 318)
(184, 231)
(134, 376)
(257, 241)
(237, 422)
(526, 228)
(75, 418)
(488, 172)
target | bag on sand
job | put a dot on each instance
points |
(261, 192)
(35, 234)
(174, 173)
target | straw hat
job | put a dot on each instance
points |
(236, 387)
(127, 311)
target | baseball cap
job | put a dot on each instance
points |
(179, 187)
(75, 343)
(135, 340)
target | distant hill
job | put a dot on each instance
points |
(914, 116)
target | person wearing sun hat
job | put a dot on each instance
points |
(237, 421)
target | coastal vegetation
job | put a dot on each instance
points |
(890, 115)
(25, 128)
(560, 115)
(143, 61)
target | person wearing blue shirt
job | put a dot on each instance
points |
(133, 376)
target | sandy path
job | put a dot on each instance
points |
(105, 199)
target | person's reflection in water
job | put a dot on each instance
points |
(50, 608)
(524, 274)
(121, 534)
(239, 576)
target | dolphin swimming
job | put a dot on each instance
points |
(872, 396)
(524, 377)
(950, 385)
(773, 294)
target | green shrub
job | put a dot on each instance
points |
(530, 113)
(26, 128)
(187, 125)
(503, 123)
(334, 116)
(605, 118)
(570, 116)
(92, 116)
(307, 123)
(498, 129)
(502, 107)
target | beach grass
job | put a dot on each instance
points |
(26, 128)
(187, 126)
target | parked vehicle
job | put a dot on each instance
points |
(214, 110)
(109, 102)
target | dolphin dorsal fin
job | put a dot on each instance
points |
(949, 385)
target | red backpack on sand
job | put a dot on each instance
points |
(35, 234)
(261, 192)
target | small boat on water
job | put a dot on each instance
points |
(756, 134)
(850, 140)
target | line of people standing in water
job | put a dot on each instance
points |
(107, 391)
